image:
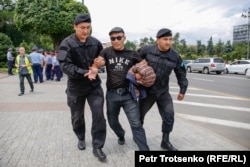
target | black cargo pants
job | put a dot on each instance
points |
(165, 106)
(95, 99)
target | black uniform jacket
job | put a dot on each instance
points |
(163, 63)
(75, 58)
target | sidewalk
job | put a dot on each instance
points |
(36, 131)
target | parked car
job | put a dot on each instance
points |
(185, 62)
(238, 67)
(248, 73)
(101, 69)
(207, 65)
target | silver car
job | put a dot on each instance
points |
(207, 65)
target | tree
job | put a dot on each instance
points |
(239, 51)
(176, 43)
(7, 5)
(183, 47)
(227, 50)
(5, 44)
(130, 45)
(219, 48)
(210, 47)
(46, 17)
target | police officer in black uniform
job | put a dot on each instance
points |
(163, 59)
(76, 55)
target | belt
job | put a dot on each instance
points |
(119, 91)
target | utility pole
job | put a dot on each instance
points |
(83, 2)
(246, 14)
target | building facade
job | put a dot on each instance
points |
(240, 33)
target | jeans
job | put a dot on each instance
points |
(95, 99)
(165, 106)
(21, 78)
(114, 103)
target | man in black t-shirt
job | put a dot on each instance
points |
(118, 61)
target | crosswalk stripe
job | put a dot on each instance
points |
(216, 121)
(213, 96)
(226, 107)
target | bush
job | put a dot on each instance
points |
(3, 65)
(5, 44)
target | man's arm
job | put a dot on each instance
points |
(180, 73)
(67, 66)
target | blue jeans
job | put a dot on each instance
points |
(114, 103)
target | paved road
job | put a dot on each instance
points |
(36, 131)
(220, 103)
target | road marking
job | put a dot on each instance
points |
(212, 96)
(213, 106)
(234, 77)
(204, 79)
(216, 121)
(189, 88)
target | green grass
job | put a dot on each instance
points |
(3, 70)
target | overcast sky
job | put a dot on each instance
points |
(193, 19)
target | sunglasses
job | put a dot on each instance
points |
(114, 38)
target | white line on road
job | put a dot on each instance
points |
(204, 79)
(212, 96)
(213, 106)
(216, 121)
(189, 88)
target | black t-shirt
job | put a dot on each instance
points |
(118, 62)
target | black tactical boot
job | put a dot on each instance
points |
(165, 143)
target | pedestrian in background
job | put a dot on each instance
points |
(10, 60)
(23, 68)
(48, 65)
(37, 63)
(76, 55)
(163, 59)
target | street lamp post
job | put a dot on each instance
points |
(246, 14)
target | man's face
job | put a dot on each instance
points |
(164, 43)
(117, 40)
(82, 31)
(21, 51)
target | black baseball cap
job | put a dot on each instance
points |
(116, 29)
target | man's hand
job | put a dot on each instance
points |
(99, 62)
(180, 97)
(93, 71)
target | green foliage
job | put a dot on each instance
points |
(52, 18)
(146, 41)
(5, 44)
(130, 45)
(210, 47)
(239, 51)
(7, 5)
(219, 48)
